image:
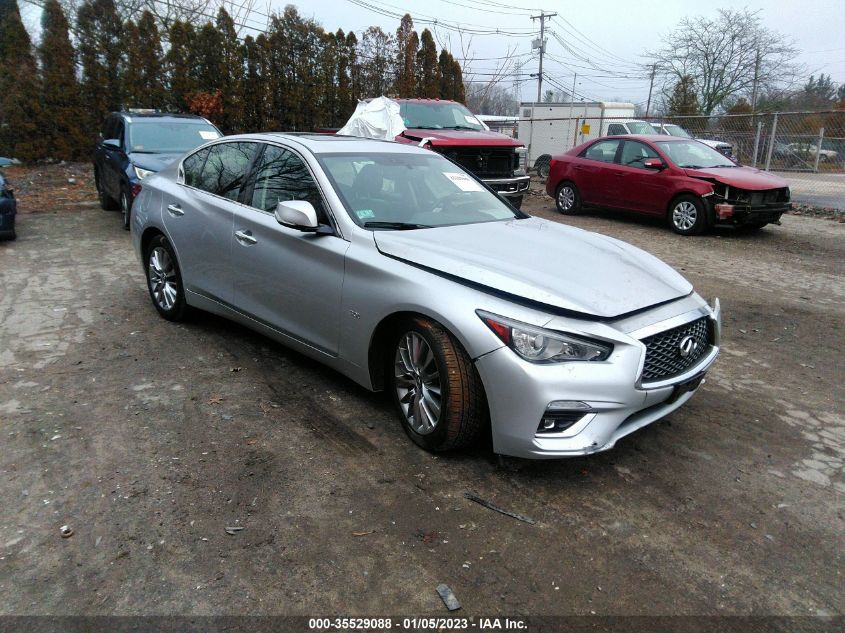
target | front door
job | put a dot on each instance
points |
(287, 279)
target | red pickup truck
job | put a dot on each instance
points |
(447, 127)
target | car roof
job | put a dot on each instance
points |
(652, 138)
(331, 143)
(130, 116)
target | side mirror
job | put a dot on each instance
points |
(112, 143)
(297, 214)
(653, 163)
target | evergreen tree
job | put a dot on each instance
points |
(345, 103)
(252, 108)
(354, 69)
(451, 77)
(428, 71)
(458, 87)
(100, 50)
(683, 99)
(133, 89)
(150, 72)
(20, 93)
(63, 123)
(407, 46)
(180, 65)
(207, 58)
(378, 55)
(231, 72)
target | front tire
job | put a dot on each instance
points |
(164, 280)
(567, 198)
(687, 215)
(435, 386)
(516, 202)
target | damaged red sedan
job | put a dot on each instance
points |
(690, 184)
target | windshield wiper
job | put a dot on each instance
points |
(397, 226)
(463, 127)
(425, 127)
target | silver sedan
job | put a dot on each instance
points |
(399, 269)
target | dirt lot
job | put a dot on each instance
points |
(150, 438)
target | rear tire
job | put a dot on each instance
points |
(567, 198)
(436, 388)
(687, 215)
(164, 280)
(542, 165)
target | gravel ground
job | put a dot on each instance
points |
(148, 439)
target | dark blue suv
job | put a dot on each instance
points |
(8, 209)
(134, 145)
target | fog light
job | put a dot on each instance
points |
(557, 421)
(568, 404)
(724, 211)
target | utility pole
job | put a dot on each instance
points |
(650, 86)
(756, 80)
(542, 17)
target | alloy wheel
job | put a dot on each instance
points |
(566, 198)
(162, 276)
(418, 386)
(684, 215)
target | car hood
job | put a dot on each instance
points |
(153, 162)
(740, 177)
(463, 138)
(713, 143)
(532, 259)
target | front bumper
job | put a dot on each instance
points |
(738, 214)
(610, 394)
(509, 187)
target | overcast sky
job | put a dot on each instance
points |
(614, 35)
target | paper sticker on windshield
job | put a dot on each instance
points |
(462, 181)
(365, 214)
(471, 119)
(208, 136)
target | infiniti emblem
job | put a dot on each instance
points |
(687, 346)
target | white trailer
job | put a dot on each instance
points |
(553, 128)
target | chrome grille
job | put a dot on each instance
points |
(663, 357)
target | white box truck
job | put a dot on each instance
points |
(553, 128)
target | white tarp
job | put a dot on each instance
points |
(378, 118)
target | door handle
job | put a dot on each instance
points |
(175, 210)
(245, 238)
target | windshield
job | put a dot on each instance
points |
(640, 127)
(162, 137)
(693, 155)
(401, 191)
(436, 115)
(676, 130)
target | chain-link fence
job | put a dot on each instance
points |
(805, 148)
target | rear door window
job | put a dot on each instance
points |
(604, 151)
(225, 168)
(192, 167)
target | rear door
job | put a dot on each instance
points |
(591, 172)
(114, 159)
(198, 214)
(284, 278)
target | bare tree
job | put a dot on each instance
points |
(726, 57)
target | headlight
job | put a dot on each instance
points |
(521, 149)
(142, 173)
(538, 345)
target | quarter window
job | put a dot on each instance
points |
(604, 151)
(225, 169)
(283, 176)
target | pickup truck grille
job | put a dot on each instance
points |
(485, 162)
(663, 356)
